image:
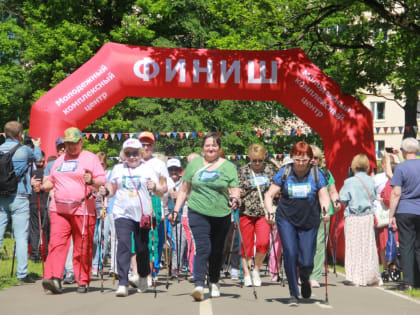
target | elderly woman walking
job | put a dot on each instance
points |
(361, 257)
(72, 212)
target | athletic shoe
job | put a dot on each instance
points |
(143, 286)
(305, 289)
(122, 291)
(191, 279)
(69, 279)
(133, 280)
(234, 275)
(293, 301)
(214, 290)
(248, 281)
(52, 285)
(314, 284)
(149, 281)
(256, 278)
(274, 277)
(198, 294)
(26, 279)
(94, 271)
(82, 288)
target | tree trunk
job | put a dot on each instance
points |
(410, 109)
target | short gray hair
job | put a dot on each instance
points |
(410, 145)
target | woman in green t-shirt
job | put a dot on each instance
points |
(211, 185)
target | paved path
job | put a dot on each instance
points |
(272, 298)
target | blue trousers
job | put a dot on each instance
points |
(299, 250)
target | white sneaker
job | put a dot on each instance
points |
(248, 281)
(122, 291)
(214, 290)
(143, 287)
(256, 278)
(133, 280)
(198, 294)
(234, 274)
(149, 281)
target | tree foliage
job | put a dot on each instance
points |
(360, 44)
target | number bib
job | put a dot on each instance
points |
(299, 190)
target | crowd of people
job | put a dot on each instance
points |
(148, 212)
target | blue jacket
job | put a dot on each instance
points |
(22, 159)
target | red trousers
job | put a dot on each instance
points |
(255, 231)
(62, 228)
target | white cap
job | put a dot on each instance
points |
(132, 143)
(173, 163)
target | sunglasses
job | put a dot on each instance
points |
(147, 144)
(257, 161)
(131, 153)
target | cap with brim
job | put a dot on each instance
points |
(72, 134)
(174, 163)
(59, 141)
(132, 143)
(147, 135)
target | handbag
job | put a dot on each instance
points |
(145, 221)
(381, 214)
(384, 215)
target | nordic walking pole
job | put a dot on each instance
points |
(335, 242)
(273, 246)
(101, 248)
(153, 240)
(166, 249)
(83, 230)
(179, 249)
(115, 258)
(41, 234)
(326, 253)
(188, 258)
(230, 252)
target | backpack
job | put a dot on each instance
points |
(8, 179)
(288, 170)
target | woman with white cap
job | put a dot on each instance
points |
(132, 214)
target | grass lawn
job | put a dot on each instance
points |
(35, 270)
(415, 293)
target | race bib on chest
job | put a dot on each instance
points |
(207, 176)
(68, 167)
(299, 190)
(261, 180)
(128, 182)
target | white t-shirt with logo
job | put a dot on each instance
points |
(127, 204)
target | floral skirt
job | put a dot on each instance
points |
(361, 261)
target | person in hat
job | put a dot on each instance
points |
(158, 166)
(72, 212)
(131, 183)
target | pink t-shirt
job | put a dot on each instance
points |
(69, 185)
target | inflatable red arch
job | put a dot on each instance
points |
(287, 76)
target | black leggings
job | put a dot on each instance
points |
(209, 236)
(124, 228)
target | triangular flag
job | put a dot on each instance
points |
(156, 136)
(392, 129)
(245, 133)
(112, 136)
(175, 134)
(131, 135)
(385, 129)
(313, 132)
(163, 133)
(219, 133)
(137, 135)
(377, 129)
(234, 157)
(87, 134)
(229, 157)
(270, 156)
(126, 135)
(271, 132)
(239, 157)
(200, 133)
(299, 132)
(407, 128)
(259, 133)
(181, 134)
(119, 136)
(94, 135)
(168, 134)
(194, 134)
(292, 132)
(100, 135)
(415, 129)
(400, 129)
(280, 155)
(106, 135)
(239, 133)
(187, 134)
